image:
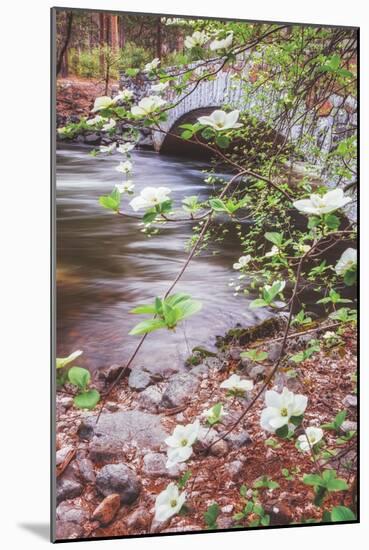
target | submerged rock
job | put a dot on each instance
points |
(118, 478)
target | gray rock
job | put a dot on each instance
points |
(139, 379)
(86, 470)
(67, 487)
(109, 374)
(139, 520)
(350, 401)
(256, 372)
(234, 353)
(66, 530)
(349, 426)
(154, 465)
(115, 433)
(70, 512)
(62, 454)
(118, 478)
(150, 398)
(235, 469)
(200, 371)
(180, 390)
(92, 139)
(274, 351)
(238, 440)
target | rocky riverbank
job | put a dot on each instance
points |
(110, 472)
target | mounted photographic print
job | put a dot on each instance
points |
(205, 186)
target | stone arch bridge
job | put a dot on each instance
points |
(332, 123)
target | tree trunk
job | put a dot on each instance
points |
(158, 38)
(114, 32)
(102, 40)
(63, 55)
(122, 36)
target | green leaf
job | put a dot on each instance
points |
(149, 325)
(312, 479)
(145, 308)
(217, 205)
(110, 202)
(79, 377)
(87, 400)
(183, 480)
(222, 141)
(170, 314)
(188, 308)
(186, 134)
(149, 216)
(341, 513)
(259, 302)
(255, 355)
(275, 238)
(349, 277)
(211, 514)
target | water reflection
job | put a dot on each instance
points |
(106, 265)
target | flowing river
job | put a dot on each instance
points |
(106, 265)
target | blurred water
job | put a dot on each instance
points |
(106, 265)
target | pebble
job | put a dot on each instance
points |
(67, 511)
(350, 401)
(107, 509)
(180, 390)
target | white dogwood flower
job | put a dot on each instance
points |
(124, 167)
(108, 148)
(242, 262)
(322, 205)
(123, 95)
(159, 87)
(273, 252)
(125, 187)
(329, 334)
(109, 125)
(180, 443)
(220, 120)
(150, 197)
(311, 436)
(125, 148)
(223, 43)
(147, 106)
(197, 39)
(103, 102)
(236, 384)
(95, 120)
(169, 502)
(280, 407)
(346, 261)
(154, 64)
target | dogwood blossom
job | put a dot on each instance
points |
(103, 102)
(242, 262)
(125, 167)
(318, 205)
(95, 120)
(198, 39)
(147, 106)
(125, 148)
(160, 87)
(123, 95)
(220, 120)
(311, 437)
(180, 443)
(237, 385)
(126, 187)
(109, 125)
(273, 252)
(108, 148)
(152, 65)
(150, 197)
(169, 502)
(222, 44)
(346, 261)
(280, 407)
(329, 334)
